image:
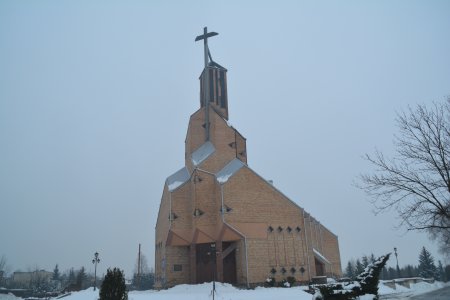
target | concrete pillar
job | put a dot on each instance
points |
(193, 263)
(219, 261)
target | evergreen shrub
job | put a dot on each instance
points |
(113, 286)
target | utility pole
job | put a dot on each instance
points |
(139, 268)
(95, 261)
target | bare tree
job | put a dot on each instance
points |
(416, 181)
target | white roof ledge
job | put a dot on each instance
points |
(321, 257)
(229, 170)
(202, 153)
(177, 179)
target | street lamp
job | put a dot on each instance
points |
(396, 257)
(95, 261)
(214, 257)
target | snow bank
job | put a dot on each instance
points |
(203, 292)
(228, 292)
(424, 287)
(88, 294)
(415, 288)
(8, 297)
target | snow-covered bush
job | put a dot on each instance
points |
(335, 292)
(370, 277)
(284, 283)
(270, 282)
(366, 284)
(291, 280)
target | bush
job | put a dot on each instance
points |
(366, 284)
(284, 283)
(270, 282)
(291, 280)
(370, 277)
(336, 292)
(113, 286)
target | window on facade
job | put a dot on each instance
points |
(302, 270)
(280, 229)
(270, 229)
(198, 212)
(197, 179)
(273, 271)
(289, 229)
(293, 270)
(298, 229)
(232, 145)
(177, 268)
(225, 208)
(283, 270)
(173, 216)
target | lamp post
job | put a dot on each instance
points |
(396, 257)
(214, 257)
(95, 261)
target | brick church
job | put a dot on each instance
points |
(218, 219)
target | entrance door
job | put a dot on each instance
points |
(320, 268)
(229, 265)
(205, 264)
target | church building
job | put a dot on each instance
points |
(218, 219)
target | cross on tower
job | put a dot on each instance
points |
(205, 37)
(206, 79)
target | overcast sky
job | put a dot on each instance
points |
(95, 98)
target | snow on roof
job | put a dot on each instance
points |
(177, 179)
(229, 170)
(320, 256)
(202, 153)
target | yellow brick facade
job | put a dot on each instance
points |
(219, 219)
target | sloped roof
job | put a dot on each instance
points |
(229, 170)
(202, 153)
(177, 179)
(320, 256)
(216, 65)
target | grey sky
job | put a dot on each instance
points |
(95, 98)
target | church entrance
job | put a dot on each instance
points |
(229, 262)
(320, 268)
(206, 266)
(204, 261)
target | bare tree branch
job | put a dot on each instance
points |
(415, 182)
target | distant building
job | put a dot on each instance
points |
(28, 279)
(219, 218)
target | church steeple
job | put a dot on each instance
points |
(216, 91)
(213, 81)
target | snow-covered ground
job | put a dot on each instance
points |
(415, 289)
(228, 292)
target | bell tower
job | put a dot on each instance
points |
(213, 83)
(214, 89)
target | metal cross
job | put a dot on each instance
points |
(205, 79)
(205, 37)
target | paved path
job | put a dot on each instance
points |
(441, 294)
